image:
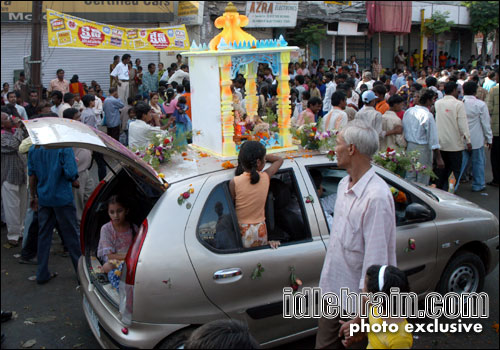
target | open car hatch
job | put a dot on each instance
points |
(59, 132)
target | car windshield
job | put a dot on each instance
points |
(425, 190)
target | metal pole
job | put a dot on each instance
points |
(422, 16)
(345, 48)
(36, 47)
(379, 48)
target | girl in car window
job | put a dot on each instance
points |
(116, 235)
(382, 279)
(249, 190)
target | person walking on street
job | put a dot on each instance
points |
(22, 86)
(453, 130)
(75, 87)
(69, 100)
(478, 119)
(59, 84)
(14, 195)
(116, 60)
(364, 230)
(149, 81)
(52, 174)
(32, 106)
(111, 107)
(12, 97)
(492, 103)
(421, 134)
(121, 77)
(330, 89)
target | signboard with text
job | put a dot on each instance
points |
(266, 14)
(190, 12)
(66, 31)
(99, 11)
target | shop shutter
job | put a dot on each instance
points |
(88, 64)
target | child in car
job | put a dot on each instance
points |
(328, 202)
(249, 189)
(382, 279)
(116, 237)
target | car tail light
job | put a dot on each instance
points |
(127, 282)
(84, 214)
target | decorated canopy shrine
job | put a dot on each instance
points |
(212, 69)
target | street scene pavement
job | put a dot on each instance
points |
(52, 314)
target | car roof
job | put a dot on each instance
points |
(193, 163)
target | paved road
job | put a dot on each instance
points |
(59, 322)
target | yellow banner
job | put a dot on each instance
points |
(72, 32)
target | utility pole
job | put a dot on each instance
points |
(36, 47)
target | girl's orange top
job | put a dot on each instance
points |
(250, 201)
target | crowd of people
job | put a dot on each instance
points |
(448, 113)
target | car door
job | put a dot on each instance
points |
(418, 261)
(60, 132)
(226, 274)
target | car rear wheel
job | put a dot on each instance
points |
(464, 274)
(176, 340)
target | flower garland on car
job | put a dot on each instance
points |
(400, 162)
(160, 149)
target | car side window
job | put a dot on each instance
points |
(409, 208)
(216, 227)
(326, 181)
(286, 219)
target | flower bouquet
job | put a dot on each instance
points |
(400, 162)
(311, 136)
(161, 148)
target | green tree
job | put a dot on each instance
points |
(437, 24)
(311, 34)
(484, 19)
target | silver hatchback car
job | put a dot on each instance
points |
(187, 266)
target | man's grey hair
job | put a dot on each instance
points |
(367, 74)
(361, 135)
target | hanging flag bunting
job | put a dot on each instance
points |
(67, 31)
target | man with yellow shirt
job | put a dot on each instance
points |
(453, 132)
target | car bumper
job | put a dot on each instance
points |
(104, 320)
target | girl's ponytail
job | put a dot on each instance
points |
(254, 175)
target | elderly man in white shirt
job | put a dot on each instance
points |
(121, 77)
(364, 226)
(478, 118)
(140, 132)
(367, 80)
(421, 135)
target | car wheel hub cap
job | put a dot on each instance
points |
(464, 279)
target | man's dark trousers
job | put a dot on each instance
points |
(66, 219)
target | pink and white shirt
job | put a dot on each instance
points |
(363, 234)
(112, 242)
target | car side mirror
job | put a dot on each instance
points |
(417, 211)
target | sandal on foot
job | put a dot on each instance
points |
(52, 275)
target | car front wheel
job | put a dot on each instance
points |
(464, 274)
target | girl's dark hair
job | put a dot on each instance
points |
(118, 199)
(250, 152)
(170, 94)
(393, 278)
